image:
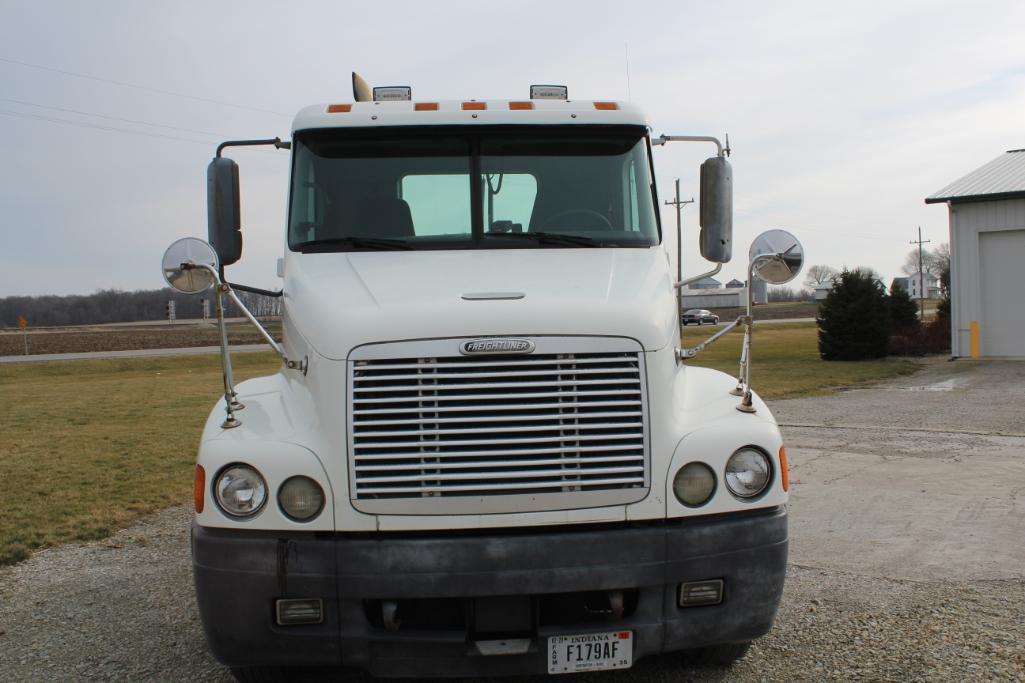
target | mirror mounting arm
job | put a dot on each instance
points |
(723, 150)
(683, 283)
(686, 354)
(226, 288)
(255, 290)
(277, 142)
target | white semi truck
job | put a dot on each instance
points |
(485, 452)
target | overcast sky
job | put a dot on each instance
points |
(842, 116)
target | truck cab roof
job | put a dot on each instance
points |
(468, 112)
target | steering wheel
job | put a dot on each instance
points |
(604, 222)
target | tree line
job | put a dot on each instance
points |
(117, 306)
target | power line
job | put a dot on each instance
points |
(116, 118)
(140, 87)
(113, 129)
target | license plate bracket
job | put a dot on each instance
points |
(580, 652)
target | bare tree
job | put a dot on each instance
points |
(817, 275)
(934, 261)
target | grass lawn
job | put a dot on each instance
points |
(88, 446)
(786, 363)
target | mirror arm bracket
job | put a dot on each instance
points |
(255, 290)
(722, 150)
(683, 283)
(225, 288)
(683, 354)
(277, 142)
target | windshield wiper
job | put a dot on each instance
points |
(549, 238)
(330, 244)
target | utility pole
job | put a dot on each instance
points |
(921, 274)
(679, 229)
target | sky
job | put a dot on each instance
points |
(842, 117)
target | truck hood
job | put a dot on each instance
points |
(338, 301)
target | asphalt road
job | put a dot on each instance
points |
(907, 517)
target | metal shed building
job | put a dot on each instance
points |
(987, 258)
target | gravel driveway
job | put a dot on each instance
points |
(907, 556)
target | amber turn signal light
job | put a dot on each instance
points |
(199, 490)
(784, 469)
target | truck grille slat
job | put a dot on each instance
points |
(460, 362)
(497, 441)
(480, 397)
(504, 418)
(437, 386)
(528, 425)
(477, 407)
(475, 464)
(545, 427)
(503, 487)
(448, 453)
(441, 477)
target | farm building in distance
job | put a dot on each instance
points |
(918, 282)
(719, 297)
(987, 253)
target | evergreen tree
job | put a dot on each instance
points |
(854, 320)
(903, 310)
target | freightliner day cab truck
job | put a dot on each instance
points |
(485, 452)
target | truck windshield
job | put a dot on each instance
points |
(489, 188)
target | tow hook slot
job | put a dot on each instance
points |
(614, 607)
(389, 615)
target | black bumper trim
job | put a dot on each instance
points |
(238, 575)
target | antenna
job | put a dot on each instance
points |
(629, 95)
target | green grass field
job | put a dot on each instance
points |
(86, 447)
(786, 361)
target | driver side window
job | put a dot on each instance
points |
(509, 201)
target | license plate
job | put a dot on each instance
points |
(590, 652)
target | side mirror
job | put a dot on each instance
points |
(223, 214)
(776, 257)
(717, 210)
(189, 251)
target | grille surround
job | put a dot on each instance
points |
(564, 427)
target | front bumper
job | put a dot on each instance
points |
(239, 575)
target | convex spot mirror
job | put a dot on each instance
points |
(192, 251)
(776, 257)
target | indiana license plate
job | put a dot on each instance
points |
(590, 652)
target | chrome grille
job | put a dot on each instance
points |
(493, 425)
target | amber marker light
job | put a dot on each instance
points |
(521, 106)
(425, 106)
(475, 106)
(339, 108)
(199, 490)
(784, 469)
(606, 106)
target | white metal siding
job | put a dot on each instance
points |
(1002, 328)
(968, 222)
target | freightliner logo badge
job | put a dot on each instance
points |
(496, 346)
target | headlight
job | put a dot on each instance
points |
(694, 484)
(240, 490)
(748, 472)
(301, 498)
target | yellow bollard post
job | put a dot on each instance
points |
(975, 340)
